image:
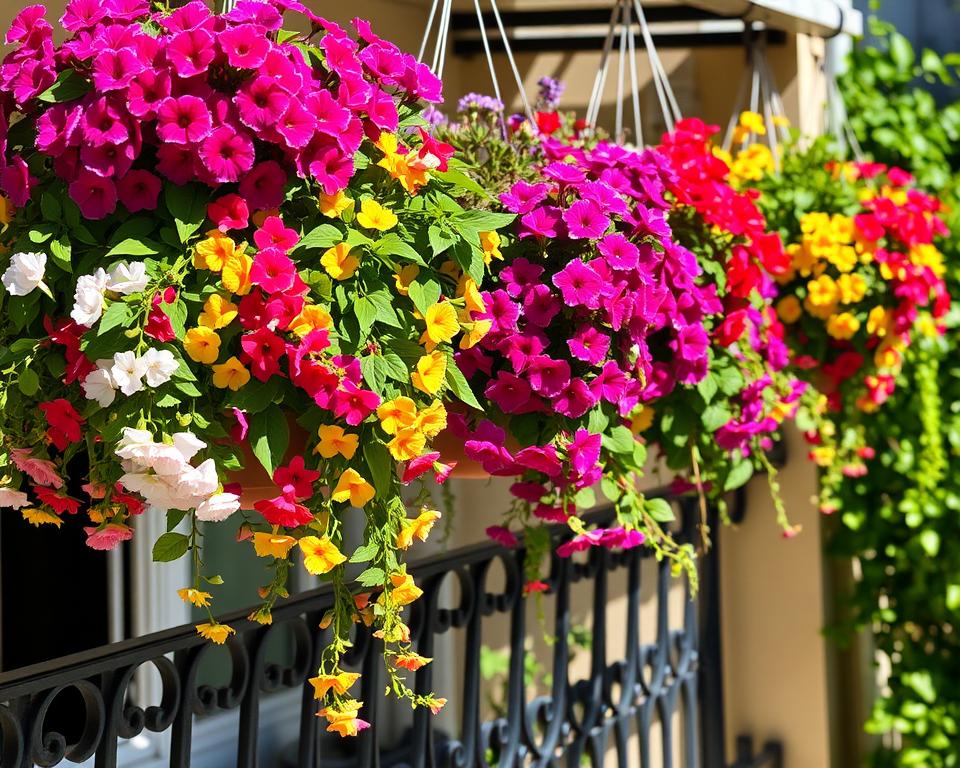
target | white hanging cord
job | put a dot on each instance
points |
(443, 33)
(596, 96)
(668, 101)
(634, 81)
(621, 62)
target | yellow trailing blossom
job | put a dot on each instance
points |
(430, 373)
(236, 273)
(272, 544)
(343, 718)
(432, 420)
(194, 597)
(230, 374)
(403, 588)
(375, 216)
(202, 345)
(789, 309)
(335, 205)
(822, 297)
(218, 312)
(404, 277)
(320, 554)
(334, 441)
(37, 516)
(843, 326)
(339, 683)
(442, 325)
(311, 318)
(353, 488)
(215, 631)
(407, 444)
(490, 244)
(417, 528)
(851, 288)
(340, 262)
(397, 414)
(214, 251)
(878, 321)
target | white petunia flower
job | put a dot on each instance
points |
(88, 298)
(128, 278)
(17, 499)
(127, 372)
(24, 273)
(160, 365)
(199, 482)
(218, 507)
(188, 444)
(99, 386)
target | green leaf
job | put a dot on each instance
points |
(708, 388)
(372, 577)
(730, 380)
(188, 205)
(170, 546)
(619, 440)
(585, 498)
(660, 510)
(174, 516)
(50, 207)
(366, 553)
(61, 251)
(901, 52)
(366, 312)
(485, 221)
(469, 258)
(177, 312)
(325, 236)
(930, 541)
(460, 179)
(29, 382)
(458, 384)
(68, 86)
(269, 437)
(134, 247)
(118, 314)
(256, 396)
(739, 474)
(374, 374)
(715, 416)
(439, 240)
(953, 596)
(391, 244)
(380, 463)
(395, 368)
(424, 295)
(597, 420)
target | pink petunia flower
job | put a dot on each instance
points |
(579, 284)
(272, 270)
(183, 120)
(523, 197)
(619, 252)
(264, 349)
(297, 125)
(108, 537)
(95, 195)
(331, 117)
(108, 160)
(17, 182)
(583, 451)
(589, 344)
(273, 234)
(585, 220)
(263, 185)
(284, 511)
(575, 400)
(113, 70)
(245, 46)
(354, 404)
(548, 377)
(229, 212)
(191, 51)
(419, 466)
(41, 471)
(295, 479)
(227, 154)
(510, 393)
(503, 536)
(177, 162)
(139, 190)
(103, 123)
(82, 14)
(158, 324)
(261, 104)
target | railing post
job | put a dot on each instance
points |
(712, 726)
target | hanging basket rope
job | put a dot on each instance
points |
(623, 17)
(837, 120)
(758, 93)
(442, 33)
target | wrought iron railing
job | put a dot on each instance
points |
(659, 703)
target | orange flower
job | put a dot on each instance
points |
(194, 597)
(218, 312)
(231, 373)
(214, 252)
(397, 414)
(354, 488)
(411, 661)
(404, 591)
(334, 206)
(407, 444)
(311, 317)
(39, 517)
(343, 719)
(333, 441)
(320, 555)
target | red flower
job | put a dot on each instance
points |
(229, 212)
(262, 349)
(158, 323)
(59, 503)
(283, 511)
(548, 123)
(295, 479)
(63, 422)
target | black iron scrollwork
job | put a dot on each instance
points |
(86, 705)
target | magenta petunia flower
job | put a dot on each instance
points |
(263, 349)
(183, 120)
(565, 173)
(273, 234)
(108, 160)
(192, 15)
(331, 117)
(519, 276)
(17, 182)
(520, 349)
(272, 270)
(419, 466)
(297, 125)
(103, 123)
(548, 377)
(255, 12)
(510, 393)
(503, 536)
(543, 222)
(177, 162)
(382, 110)
(26, 23)
(191, 51)
(575, 400)
(139, 190)
(619, 252)
(540, 458)
(523, 197)
(550, 513)
(82, 14)
(353, 404)
(95, 195)
(540, 306)
(147, 90)
(229, 212)
(341, 55)
(227, 154)
(114, 70)
(245, 46)
(583, 451)
(263, 186)
(261, 104)
(331, 168)
(579, 284)
(126, 10)
(354, 92)
(585, 220)
(57, 128)
(528, 491)
(589, 344)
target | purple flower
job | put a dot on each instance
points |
(227, 154)
(565, 173)
(540, 306)
(585, 220)
(520, 276)
(620, 253)
(523, 197)
(113, 70)
(579, 284)
(191, 51)
(610, 383)
(477, 102)
(550, 92)
(510, 393)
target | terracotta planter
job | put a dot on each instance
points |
(254, 481)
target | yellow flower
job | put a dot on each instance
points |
(351, 486)
(339, 684)
(490, 243)
(262, 615)
(753, 122)
(236, 274)
(851, 288)
(822, 297)
(230, 374)
(888, 354)
(442, 325)
(843, 326)
(451, 269)
(272, 544)
(471, 293)
(404, 591)
(405, 276)
(375, 216)
(407, 444)
(339, 262)
(410, 172)
(430, 372)
(320, 555)
(927, 255)
(878, 321)
(333, 441)
(311, 317)
(844, 257)
(410, 661)
(334, 206)
(641, 418)
(194, 597)
(216, 632)
(202, 345)
(418, 528)
(38, 517)
(476, 330)
(432, 420)
(788, 309)
(218, 312)
(823, 455)
(927, 326)
(397, 414)
(6, 210)
(214, 252)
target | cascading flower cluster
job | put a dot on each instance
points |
(229, 247)
(598, 312)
